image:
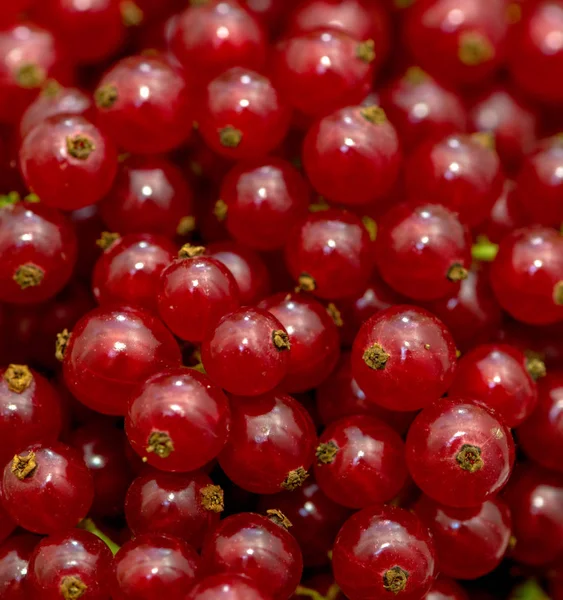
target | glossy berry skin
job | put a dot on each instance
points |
(271, 444)
(403, 358)
(527, 275)
(38, 248)
(193, 294)
(496, 375)
(461, 172)
(352, 156)
(100, 376)
(178, 420)
(154, 564)
(53, 496)
(535, 498)
(533, 57)
(150, 195)
(173, 504)
(214, 36)
(315, 345)
(252, 545)
(75, 562)
(422, 251)
(247, 267)
(360, 461)
(247, 353)
(7, 526)
(128, 272)
(541, 435)
(507, 214)
(264, 199)
(30, 410)
(14, 560)
(421, 109)
(227, 586)
(382, 550)
(539, 187)
(315, 519)
(316, 85)
(462, 49)
(444, 588)
(145, 103)
(333, 248)
(459, 453)
(470, 542)
(68, 162)
(243, 115)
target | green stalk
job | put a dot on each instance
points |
(89, 525)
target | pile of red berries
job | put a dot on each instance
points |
(281, 299)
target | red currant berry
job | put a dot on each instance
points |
(403, 358)
(446, 589)
(145, 104)
(360, 461)
(194, 292)
(70, 565)
(110, 352)
(541, 435)
(174, 504)
(470, 542)
(461, 172)
(150, 195)
(322, 71)
(178, 420)
(330, 254)
(38, 249)
(421, 109)
(243, 116)
(527, 275)
(352, 156)
(227, 586)
(247, 353)
(506, 215)
(211, 37)
(14, 563)
(271, 444)
(47, 488)
(275, 564)
(459, 453)
(68, 162)
(153, 564)
(382, 550)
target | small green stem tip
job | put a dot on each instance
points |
(484, 250)
(529, 590)
(306, 592)
(89, 525)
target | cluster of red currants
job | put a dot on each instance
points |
(294, 261)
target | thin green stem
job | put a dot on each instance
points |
(331, 594)
(89, 525)
(484, 250)
(529, 590)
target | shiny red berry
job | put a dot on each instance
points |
(14, 562)
(227, 586)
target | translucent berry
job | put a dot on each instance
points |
(227, 586)
(14, 561)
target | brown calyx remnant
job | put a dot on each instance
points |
(230, 137)
(485, 139)
(23, 466)
(395, 579)
(51, 88)
(107, 238)
(28, 275)
(61, 344)
(427, 346)
(457, 353)
(161, 444)
(277, 517)
(469, 458)
(106, 96)
(131, 14)
(335, 314)
(558, 293)
(415, 76)
(72, 587)
(186, 225)
(375, 357)
(366, 51)
(371, 227)
(326, 453)
(80, 146)
(198, 2)
(281, 340)
(513, 13)
(213, 498)
(294, 479)
(535, 367)
(474, 49)
(18, 378)
(189, 251)
(30, 76)
(457, 272)
(220, 210)
(306, 283)
(374, 114)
